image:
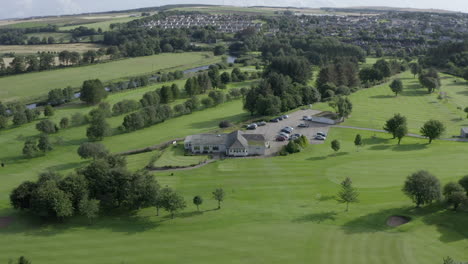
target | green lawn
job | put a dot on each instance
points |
(31, 86)
(373, 106)
(174, 156)
(277, 210)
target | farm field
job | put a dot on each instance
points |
(38, 84)
(373, 106)
(269, 201)
(104, 25)
(33, 49)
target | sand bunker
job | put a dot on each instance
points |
(397, 220)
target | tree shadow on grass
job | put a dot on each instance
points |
(463, 92)
(376, 221)
(380, 147)
(333, 155)
(410, 147)
(317, 217)
(450, 225)
(30, 225)
(375, 141)
(67, 166)
(382, 96)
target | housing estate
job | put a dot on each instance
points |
(235, 144)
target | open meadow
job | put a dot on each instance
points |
(31, 86)
(373, 106)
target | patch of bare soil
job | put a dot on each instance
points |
(5, 221)
(397, 220)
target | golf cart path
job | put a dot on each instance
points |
(409, 134)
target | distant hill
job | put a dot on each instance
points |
(381, 9)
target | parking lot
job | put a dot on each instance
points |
(271, 130)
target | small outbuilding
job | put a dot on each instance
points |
(464, 132)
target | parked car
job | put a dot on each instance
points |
(321, 134)
(297, 135)
(285, 116)
(319, 137)
(262, 123)
(274, 120)
(286, 135)
(280, 138)
(306, 118)
(303, 125)
(252, 126)
(290, 128)
(285, 130)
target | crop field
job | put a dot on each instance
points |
(373, 106)
(104, 25)
(31, 86)
(33, 49)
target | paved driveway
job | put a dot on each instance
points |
(271, 130)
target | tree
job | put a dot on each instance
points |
(23, 260)
(161, 198)
(47, 126)
(92, 92)
(197, 200)
(348, 193)
(98, 128)
(20, 197)
(218, 195)
(44, 144)
(455, 194)
(342, 106)
(396, 86)
(92, 150)
(393, 123)
(335, 145)
(466, 111)
(30, 148)
(456, 199)
(173, 203)
(89, 208)
(422, 187)
(219, 50)
(358, 141)
(3, 121)
(64, 122)
(432, 129)
(401, 132)
(415, 69)
(225, 78)
(49, 201)
(464, 183)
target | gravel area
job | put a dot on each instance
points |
(271, 130)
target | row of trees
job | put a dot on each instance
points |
(424, 188)
(398, 127)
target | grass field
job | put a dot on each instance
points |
(174, 156)
(268, 202)
(33, 49)
(373, 106)
(277, 210)
(31, 86)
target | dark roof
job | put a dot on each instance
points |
(236, 139)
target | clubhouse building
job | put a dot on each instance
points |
(235, 144)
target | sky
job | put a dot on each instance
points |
(28, 8)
